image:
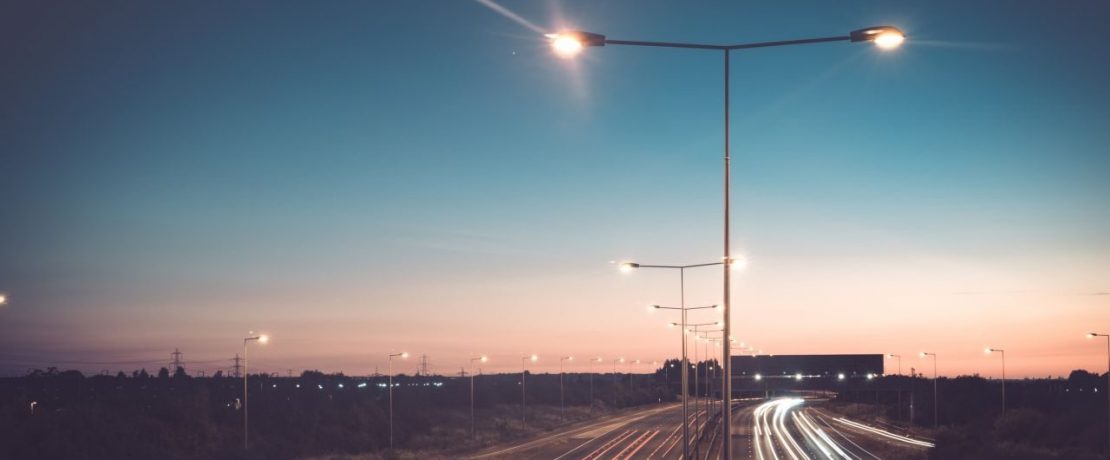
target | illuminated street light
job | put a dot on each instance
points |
(262, 339)
(989, 350)
(592, 361)
(798, 376)
(840, 376)
(562, 403)
(3, 299)
(1091, 335)
(402, 355)
(683, 309)
(936, 402)
(523, 369)
(899, 357)
(481, 359)
(571, 43)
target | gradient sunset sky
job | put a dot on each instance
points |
(360, 178)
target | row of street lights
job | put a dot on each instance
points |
(571, 43)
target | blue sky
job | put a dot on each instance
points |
(365, 176)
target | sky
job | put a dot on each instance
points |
(361, 178)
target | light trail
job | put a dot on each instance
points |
(883, 433)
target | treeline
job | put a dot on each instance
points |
(1044, 418)
(53, 414)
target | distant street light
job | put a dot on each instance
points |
(615, 361)
(33, 404)
(990, 350)
(403, 355)
(524, 368)
(629, 266)
(1092, 335)
(568, 44)
(936, 402)
(261, 339)
(592, 361)
(899, 357)
(3, 299)
(482, 359)
(562, 401)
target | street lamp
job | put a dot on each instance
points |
(989, 350)
(571, 43)
(1091, 335)
(628, 267)
(3, 299)
(261, 339)
(697, 418)
(523, 369)
(592, 361)
(403, 355)
(899, 358)
(482, 359)
(562, 400)
(936, 402)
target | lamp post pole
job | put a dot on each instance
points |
(1091, 336)
(899, 357)
(402, 355)
(628, 266)
(562, 401)
(523, 394)
(1002, 352)
(592, 361)
(936, 402)
(483, 359)
(570, 43)
(246, 409)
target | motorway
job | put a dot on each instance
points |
(778, 429)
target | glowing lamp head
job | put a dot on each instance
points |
(738, 263)
(922, 354)
(870, 376)
(534, 358)
(758, 377)
(405, 354)
(3, 299)
(987, 350)
(885, 37)
(484, 359)
(1090, 335)
(570, 43)
(263, 338)
(798, 376)
(672, 324)
(626, 267)
(840, 376)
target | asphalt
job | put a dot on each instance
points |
(786, 429)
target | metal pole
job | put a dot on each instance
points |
(562, 404)
(473, 433)
(523, 397)
(391, 403)
(685, 366)
(591, 386)
(726, 388)
(1003, 382)
(245, 407)
(936, 402)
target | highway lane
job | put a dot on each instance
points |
(777, 429)
(653, 433)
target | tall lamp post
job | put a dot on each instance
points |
(570, 43)
(936, 402)
(562, 400)
(899, 358)
(1092, 335)
(523, 398)
(697, 418)
(628, 267)
(989, 350)
(592, 361)
(615, 362)
(262, 339)
(481, 359)
(402, 355)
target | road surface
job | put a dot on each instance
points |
(778, 429)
